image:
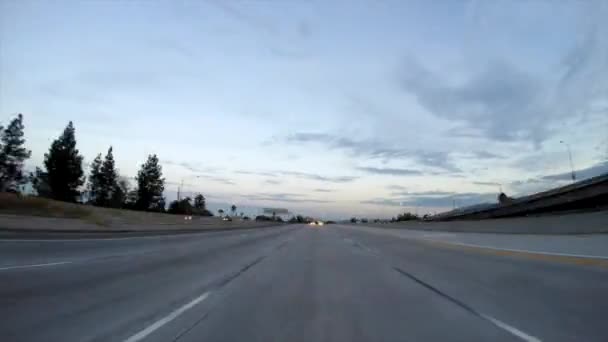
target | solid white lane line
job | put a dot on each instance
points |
(514, 331)
(519, 250)
(156, 325)
(35, 265)
(502, 325)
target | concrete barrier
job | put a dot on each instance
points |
(582, 223)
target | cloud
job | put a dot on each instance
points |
(273, 182)
(503, 102)
(546, 182)
(312, 176)
(323, 190)
(297, 174)
(221, 180)
(588, 172)
(189, 166)
(485, 155)
(282, 197)
(487, 183)
(256, 173)
(382, 202)
(118, 79)
(376, 150)
(65, 91)
(244, 16)
(389, 171)
(304, 29)
(95, 87)
(435, 199)
(176, 47)
(423, 193)
(225, 181)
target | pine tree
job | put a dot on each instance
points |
(110, 178)
(40, 182)
(12, 155)
(120, 195)
(95, 185)
(150, 185)
(64, 166)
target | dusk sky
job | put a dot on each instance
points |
(328, 108)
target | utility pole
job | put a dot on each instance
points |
(180, 187)
(573, 175)
(179, 190)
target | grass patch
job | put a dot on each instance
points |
(36, 206)
(14, 204)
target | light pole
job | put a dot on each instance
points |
(570, 158)
(181, 186)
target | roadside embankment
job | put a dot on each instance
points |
(33, 214)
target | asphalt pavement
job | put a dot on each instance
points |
(587, 245)
(291, 283)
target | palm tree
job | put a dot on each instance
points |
(233, 209)
(221, 212)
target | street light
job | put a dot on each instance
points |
(181, 186)
(570, 158)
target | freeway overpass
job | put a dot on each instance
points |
(590, 193)
(303, 283)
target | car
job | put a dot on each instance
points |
(227, 218)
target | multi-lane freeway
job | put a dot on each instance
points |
(293, 283)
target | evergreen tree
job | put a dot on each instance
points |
(150, 185)
(64, 166)
(110, 179)
(183, 206)
(12, 155)
(40, 182)
(120, 195)
(96, 182)
(103, 181)
(131, 199)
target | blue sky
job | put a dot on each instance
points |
(326, 108)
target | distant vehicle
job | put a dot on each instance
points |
(227, 218)
(316, 223)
